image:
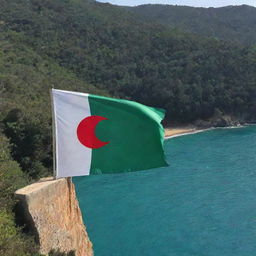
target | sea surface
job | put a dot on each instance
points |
(203, 204)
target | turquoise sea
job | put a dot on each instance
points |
(203, 204)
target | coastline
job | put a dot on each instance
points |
(181, 131)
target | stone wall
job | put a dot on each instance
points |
(52, 213)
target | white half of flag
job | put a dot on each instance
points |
(72, 158)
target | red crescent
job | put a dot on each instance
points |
(86, 132)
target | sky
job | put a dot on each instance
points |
(196, 3)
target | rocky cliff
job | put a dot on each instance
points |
(51, 210)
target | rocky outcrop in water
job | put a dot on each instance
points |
(51, 211)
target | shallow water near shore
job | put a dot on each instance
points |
(204, 203)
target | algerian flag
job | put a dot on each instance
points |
(96, 134)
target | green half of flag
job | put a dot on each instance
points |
(134, 133)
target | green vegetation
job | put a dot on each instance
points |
(231, 23)
(98, 48)
(12, 241)
(190, 76)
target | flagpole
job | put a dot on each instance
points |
(53, 137)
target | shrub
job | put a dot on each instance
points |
(12, 241)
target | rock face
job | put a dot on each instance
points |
(218, 121)
(52, 212)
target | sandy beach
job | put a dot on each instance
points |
(169, 132)
(179, 131)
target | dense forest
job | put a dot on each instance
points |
(103, 49)
(231, 23)
(104, 45)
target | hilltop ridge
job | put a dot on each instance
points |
(230, 23)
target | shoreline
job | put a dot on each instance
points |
(181, 131)
(176, 132)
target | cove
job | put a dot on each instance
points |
(204, 203)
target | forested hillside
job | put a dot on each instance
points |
(190, 76)
(231, 23)
(83, 45)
